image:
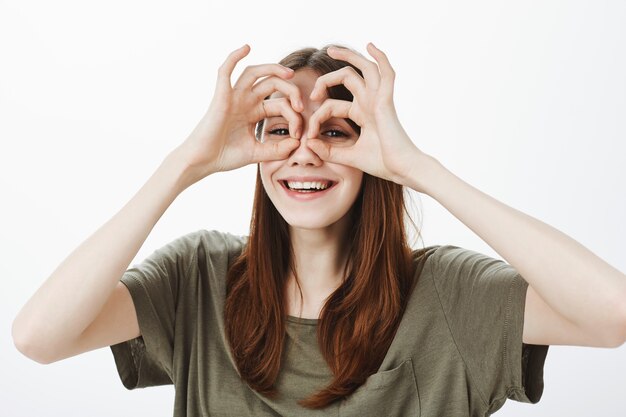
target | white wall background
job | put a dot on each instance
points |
(524, 100)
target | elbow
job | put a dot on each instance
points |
(622, 338)
(25, 346)
(27, 351)
(619, 336)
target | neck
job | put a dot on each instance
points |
(320, 256)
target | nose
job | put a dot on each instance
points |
(303, 155)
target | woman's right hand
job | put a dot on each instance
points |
(224, 139)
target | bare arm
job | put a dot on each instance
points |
(574, 296)
(83, 305)
(71, 298)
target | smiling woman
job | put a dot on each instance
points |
(281, 179)
(324, 308)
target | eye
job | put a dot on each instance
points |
(335, 133)
(279, 132)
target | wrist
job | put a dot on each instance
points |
(179, 170)
(425, 170)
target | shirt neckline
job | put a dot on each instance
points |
(302, 320)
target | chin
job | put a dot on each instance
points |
(303, 220)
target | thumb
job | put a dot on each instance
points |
(330, 153)
(272, 151)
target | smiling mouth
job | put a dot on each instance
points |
(307, 187)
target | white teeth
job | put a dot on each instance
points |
(319, 185)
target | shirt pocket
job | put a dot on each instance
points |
(388, 393)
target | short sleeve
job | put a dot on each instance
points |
(154, 286)
(483, 299)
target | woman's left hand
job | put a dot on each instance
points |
(383, 148)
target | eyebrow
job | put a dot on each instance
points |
(325, 121)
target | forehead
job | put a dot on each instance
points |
(304, 79)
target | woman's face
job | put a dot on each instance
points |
(285, 180)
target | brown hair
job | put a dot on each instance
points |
(359, 320)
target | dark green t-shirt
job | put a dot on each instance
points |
(458, 350)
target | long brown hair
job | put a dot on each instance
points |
(359, 320)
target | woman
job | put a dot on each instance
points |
(324, 309)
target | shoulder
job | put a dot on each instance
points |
(451, 257)
(202, 242)
(421, 254)
(451, 265)
(216, 243)
(425, 255)
(439, 251)
(216, 239)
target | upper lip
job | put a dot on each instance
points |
(306, 179)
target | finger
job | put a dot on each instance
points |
(253, 72)
(271, 84)
(369, 69)
(276, 107)
(386, 70)
(346, 76)
(329, 108)
(387, 73)
(225, 70)
(273, 151)
(329, 153)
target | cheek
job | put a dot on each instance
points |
(358, 183)
(356, 177)
(267, 169)
(360, 178)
